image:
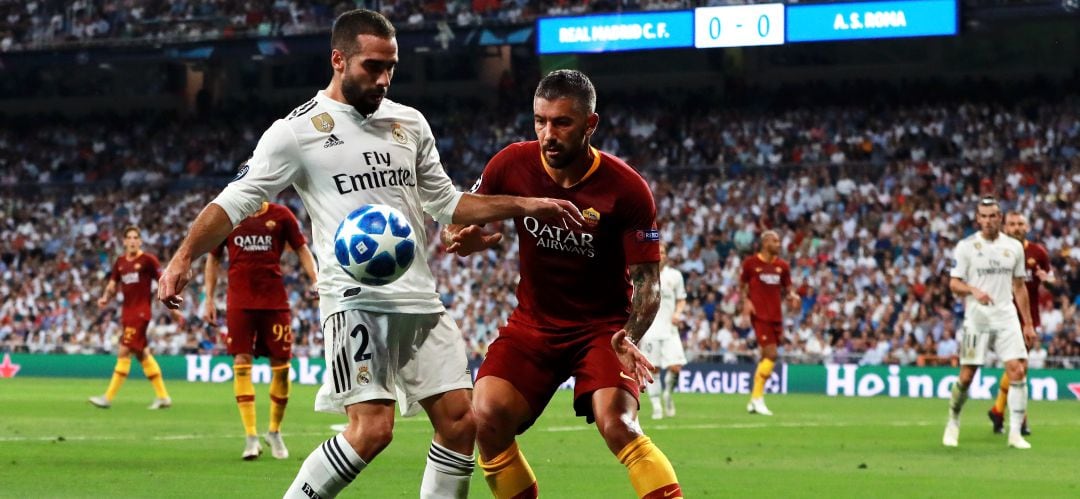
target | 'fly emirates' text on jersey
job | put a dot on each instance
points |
(255, 247)
(989, 266)
(134, 276)
(672, 289)
(575, 278)
(338, 160)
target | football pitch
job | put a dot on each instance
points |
(54, 444)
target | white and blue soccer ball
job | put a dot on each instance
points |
(375, 244)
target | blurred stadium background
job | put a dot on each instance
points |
(865, 154)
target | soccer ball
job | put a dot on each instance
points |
(375, 244)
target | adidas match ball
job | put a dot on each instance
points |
(375, 244)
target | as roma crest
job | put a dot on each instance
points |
(270, 224)
(591, 216)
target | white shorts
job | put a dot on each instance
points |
(401, 357)
(991, 328)
(664, 352)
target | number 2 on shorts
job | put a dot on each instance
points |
(361, 353)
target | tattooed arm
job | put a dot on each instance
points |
(644, 304)
(646, 300)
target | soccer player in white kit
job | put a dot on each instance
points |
(990, 272)
(661, 343)
(347, 147)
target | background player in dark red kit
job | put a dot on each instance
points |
(764, 280)
(586, 295)
(132, 274)
(1037, 264)
(257, 312)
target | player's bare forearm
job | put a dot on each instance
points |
(1022, 301)
(307, 262)
(207, 231)
(645, 278)
(480, 209)
(210, 276)
(959, 287)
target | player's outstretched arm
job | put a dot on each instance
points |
(307, 262)
(207, 231)
(481, 209)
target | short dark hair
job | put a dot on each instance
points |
(568, 83)
(130, 228)
(354, 23)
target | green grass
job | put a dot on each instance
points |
(54, 444)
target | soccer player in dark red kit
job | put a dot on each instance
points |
(764, 279)
(257, 312)
(1037, 264)
(132, 274)
(586, 296)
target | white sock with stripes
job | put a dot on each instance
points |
(331, 467)
(447, 474)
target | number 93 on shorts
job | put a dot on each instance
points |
(401, 357)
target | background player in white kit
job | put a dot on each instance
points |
(661, 343)
(347, 147)
(990, 272)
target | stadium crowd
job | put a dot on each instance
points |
(43, 23)
(869, 205)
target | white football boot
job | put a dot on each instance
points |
(757, 406)
(253, 448)
(164, 403)
(100, 402)
(951, 438)
(277, 445)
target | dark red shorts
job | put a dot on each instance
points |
(537, 363)
(134, 334)
(767, 332)
(262, 333)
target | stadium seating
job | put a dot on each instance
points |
(868, 207)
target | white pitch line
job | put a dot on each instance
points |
(549, 429)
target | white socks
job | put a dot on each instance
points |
(669, 387)
(653, 390)
(1018, 400)
(327, 470)
(447, 474)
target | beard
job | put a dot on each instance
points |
(366, 101)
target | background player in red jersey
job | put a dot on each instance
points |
(1037, 264)
(586, 295)
(132, 273)
(764, 279)
(257, 312)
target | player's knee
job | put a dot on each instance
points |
(370, 437)
(459, 432)
(618, 430)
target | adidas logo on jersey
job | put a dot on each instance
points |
(333, 141)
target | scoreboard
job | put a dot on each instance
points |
(747, 25)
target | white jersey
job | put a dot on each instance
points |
(989, 266)
(338, 160)
(672, 290)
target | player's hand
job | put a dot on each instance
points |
(1044, 276)
(313, 292)
(794, 301)
(210, 312)
(551, 209)
(1029, 336)
(172, 282)
(982, 297)
(102, 302)
(470, 239)
(748, 308)
(632, 358)
(178, 318)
